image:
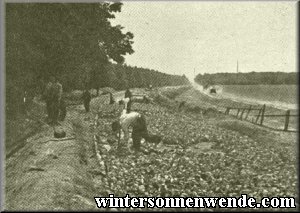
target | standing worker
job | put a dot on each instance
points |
(62, 110)
(56, 99)
(86, 96)
(48, 97)
(128, 95)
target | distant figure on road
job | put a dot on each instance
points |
(181, 105)
(127, 104)
(128, 95)
(86, 96)
(111, 98)
(25, 102)
(213, 91)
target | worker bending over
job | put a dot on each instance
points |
(139, 127)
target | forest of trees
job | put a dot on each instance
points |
(73, 41)
(247, 78)
(122, 76)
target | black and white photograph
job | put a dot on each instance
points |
(149, 106)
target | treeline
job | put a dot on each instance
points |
(250, 78)
(123, 76)
(75, 42)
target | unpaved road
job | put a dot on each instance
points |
(49, 174)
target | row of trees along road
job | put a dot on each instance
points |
(251, 78)
(75, 42)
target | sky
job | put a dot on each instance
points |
(208, 37)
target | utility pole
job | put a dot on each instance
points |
(237, 66)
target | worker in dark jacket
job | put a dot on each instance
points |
(139, 131)
(62, 110)
(86, 96)
(53, 96)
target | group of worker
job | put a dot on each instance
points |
(128, 119)
(55, 103)
(56, 111)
